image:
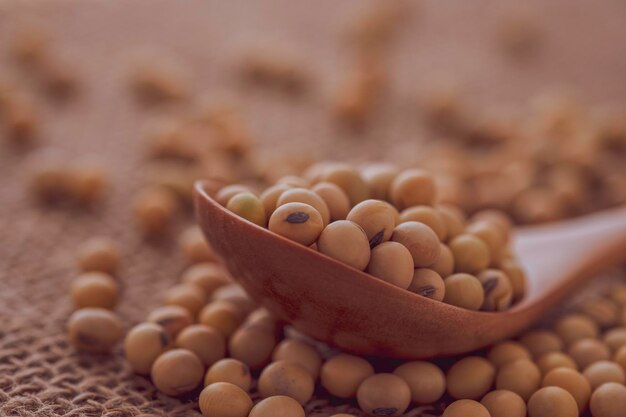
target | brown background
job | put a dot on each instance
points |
(582, 51)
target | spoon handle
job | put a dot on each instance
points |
(560, 256)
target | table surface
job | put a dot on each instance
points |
(582, 51)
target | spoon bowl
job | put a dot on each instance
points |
(354, 311)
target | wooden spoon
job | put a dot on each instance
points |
(356, 312)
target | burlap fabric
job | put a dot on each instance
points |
(40, 374)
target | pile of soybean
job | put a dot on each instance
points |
(209, 333)
(211, 340)
(391, 224)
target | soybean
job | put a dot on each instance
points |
(620, 357)
(573, 327)
(428, 283)
(263, 319)
(294, 181)
(154, 209)
(602, 372)
(392, 262)
(224, 400)
(87, 183)
(229, 191)
(335, 198)
(466, 408)
(348, 179)
(278, 405)
(552, 402)
(341, 375)
(194, 246)
(603, 311)
(286, 378)
(94, 330)
(302, 195)
(143, 344)
(99, 254)
(379, 178)
(517, 277)
(221, 316)
(177, 372)
(270, 196)
(471, 254)
(229, 370)
(248, 206)
(426, 381)
(236, 296)
(470, 378)
(301, 353)
(95, 289)
(345, 241)
(384, 394)
(413, 187)
(521, 376)
(454, 219)
(608, 400)
(420, 240)
(207, 275)
(492, 236)
(444, 266)
(188, 296)
(552, 360)
(503, 403)
(430, 216)
(540, 342)
(376, 218)
(497, 288)
(297, 221)
(506, 352)
(587, 351)
(172, 318)
(572, 381)
(252, 345)
(208, 344)
(615, 338)
(464, 290)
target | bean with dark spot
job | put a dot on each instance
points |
(229, 370)
(377, 239)
(489, 285)
(384, 411)
(376, 218)
(143, 344)
(384, 395)
(426, 291)
(299, 222)
(298, 217)
(95, 330)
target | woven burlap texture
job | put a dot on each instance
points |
(40, 374)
